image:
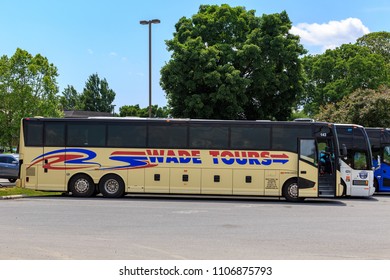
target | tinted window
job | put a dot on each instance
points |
(345, 136)
(308, 150)
(86, 135)
(285, 137)
(206, 137)
(126, 135)
(386, 154)
(375, 137)
(359, 140)
(254, 137)
(360, 160)
(3, 159)
(385, 138)
(375, 141)
(167, 136)
(33, 133)
(353, 138)
(54, 134)
(8, 159)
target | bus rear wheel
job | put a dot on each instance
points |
(291, 191)
(81, 186)
(112, 186)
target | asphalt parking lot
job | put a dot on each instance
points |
(163, 227)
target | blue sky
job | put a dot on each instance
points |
(83, 37)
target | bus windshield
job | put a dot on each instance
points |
(356, 160)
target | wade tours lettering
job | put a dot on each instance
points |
(84, 158)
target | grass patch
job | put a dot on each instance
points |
(4, 191)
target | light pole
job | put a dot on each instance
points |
(150, 22)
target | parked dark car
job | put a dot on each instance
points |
(9, 167)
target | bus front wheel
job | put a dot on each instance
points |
(82, 186)
(290, 191)
(112, 186)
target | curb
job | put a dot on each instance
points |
(13, 196)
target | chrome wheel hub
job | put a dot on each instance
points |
(111, 186)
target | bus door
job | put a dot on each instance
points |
(307, 168)
(51, 169)
(326, 167)
(383, 173)
(316, 168)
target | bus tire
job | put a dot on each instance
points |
(290, 191)
(112, 186)
(81, 185)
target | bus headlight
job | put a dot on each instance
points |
(360, 182)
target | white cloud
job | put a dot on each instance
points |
(90, 51)
(330, 35)
(113, 54)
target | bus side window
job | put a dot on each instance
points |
(308, 151)
(386, 154)
(360, 160)
(54, 134)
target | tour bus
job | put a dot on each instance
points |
(380, 146)
(356, 165)
(118, 156)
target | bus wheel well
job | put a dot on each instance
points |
(81, 185)
(290, 190)
(112, 185)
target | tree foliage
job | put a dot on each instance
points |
(227, 63)
(28, 87)
(377, 42)
(71, 99)
(366, 107)
(136, 111)
(337, 73)
(97, 96)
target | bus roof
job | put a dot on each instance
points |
(187, 120)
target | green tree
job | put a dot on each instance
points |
(97, 96)
(337, 73)
(133, 111)
(28, 87)
(136, 111)
(377, 42)
(71, 99)
(366, 107)
(227, 63)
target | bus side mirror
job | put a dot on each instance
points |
(344, 151)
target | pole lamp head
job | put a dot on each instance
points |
(145, 22)
(155, 21)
